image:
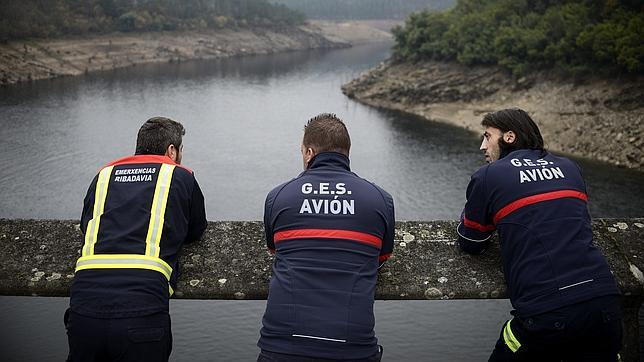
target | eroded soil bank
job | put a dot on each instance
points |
(49, 58)
(599, 118)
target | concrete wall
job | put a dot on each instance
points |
(232, 262)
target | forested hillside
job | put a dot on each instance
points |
(362, 9)
(49, 18)
(524, 35)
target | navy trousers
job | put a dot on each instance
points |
(267, 356)
(587, 331)
(147, 338)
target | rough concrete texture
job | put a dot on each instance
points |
(232, 262)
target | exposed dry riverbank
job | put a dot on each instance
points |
(597, 118)
(49, 58)
(357, 31)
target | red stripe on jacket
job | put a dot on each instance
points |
(474, 225)
(554, 195)
(329, 234)
(383, 257)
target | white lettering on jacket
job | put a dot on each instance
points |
(326, 206)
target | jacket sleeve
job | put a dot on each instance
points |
(197, 223)
(88, 205)
(390, 225)
(268, 221)
(476, 226)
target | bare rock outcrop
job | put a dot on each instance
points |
(595, 117)
(50, 58)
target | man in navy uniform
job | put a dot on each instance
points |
(138, 213)
(330, 231)
(565, 298)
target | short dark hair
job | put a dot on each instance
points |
(156, 134)
(518, 121)
(327, 133)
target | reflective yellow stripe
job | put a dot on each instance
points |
(91, 233)
(124, 261)
(170, 289)
(510, 339)
(157, 213)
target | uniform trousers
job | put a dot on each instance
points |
(587, 331)
(145, 338)
(267, 356)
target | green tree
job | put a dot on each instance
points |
(44, 18)
(522, 35)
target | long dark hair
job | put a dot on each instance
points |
(518, 121)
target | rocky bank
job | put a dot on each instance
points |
(357, 31)
(595, 117)
(49, 58)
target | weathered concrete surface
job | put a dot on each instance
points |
(232, 262)
(39, 255)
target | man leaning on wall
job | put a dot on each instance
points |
(565, 298)
(138, 213)
(330, 230)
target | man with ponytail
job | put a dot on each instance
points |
(565, 299)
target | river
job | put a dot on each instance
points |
(244, 119)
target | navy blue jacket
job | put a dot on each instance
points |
(138, 213)
(537, 203)
(329, 230)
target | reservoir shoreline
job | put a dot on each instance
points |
(595, 117)
(34, 59)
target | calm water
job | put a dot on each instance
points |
(244, 120)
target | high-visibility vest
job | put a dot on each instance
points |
(150, 260)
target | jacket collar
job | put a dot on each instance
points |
(329, 160)
(145, 158)
(542, 153)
